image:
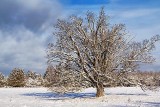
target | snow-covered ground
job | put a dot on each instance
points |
(42, 97)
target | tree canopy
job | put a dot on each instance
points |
(95, 52)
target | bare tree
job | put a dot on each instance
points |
(100, 53)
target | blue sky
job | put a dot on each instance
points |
(84, 2)
(26, 26)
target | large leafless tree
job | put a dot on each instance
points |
(100, 53)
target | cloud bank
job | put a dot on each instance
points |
(25, 30)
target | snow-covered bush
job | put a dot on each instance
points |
(34, 80)
(2, 80)
(50, 76)
(39, 80)
(16, 78)
(31, 74)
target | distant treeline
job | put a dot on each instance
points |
(18, 78)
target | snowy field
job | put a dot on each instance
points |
(42, 97)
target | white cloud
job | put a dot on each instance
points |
(25, 31)
(25, 50)
(35, 4)
(134, 13)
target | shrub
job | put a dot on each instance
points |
(31, 74)
(33, 79)
(51, 76)
(2, 80)
(16, 78)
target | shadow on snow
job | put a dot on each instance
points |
(56, 96)
(151, 104)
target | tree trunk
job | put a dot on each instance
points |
(100, 90)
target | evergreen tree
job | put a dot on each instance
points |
(2, 80)
(16, 78)
(31, 74)
(50, 76)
